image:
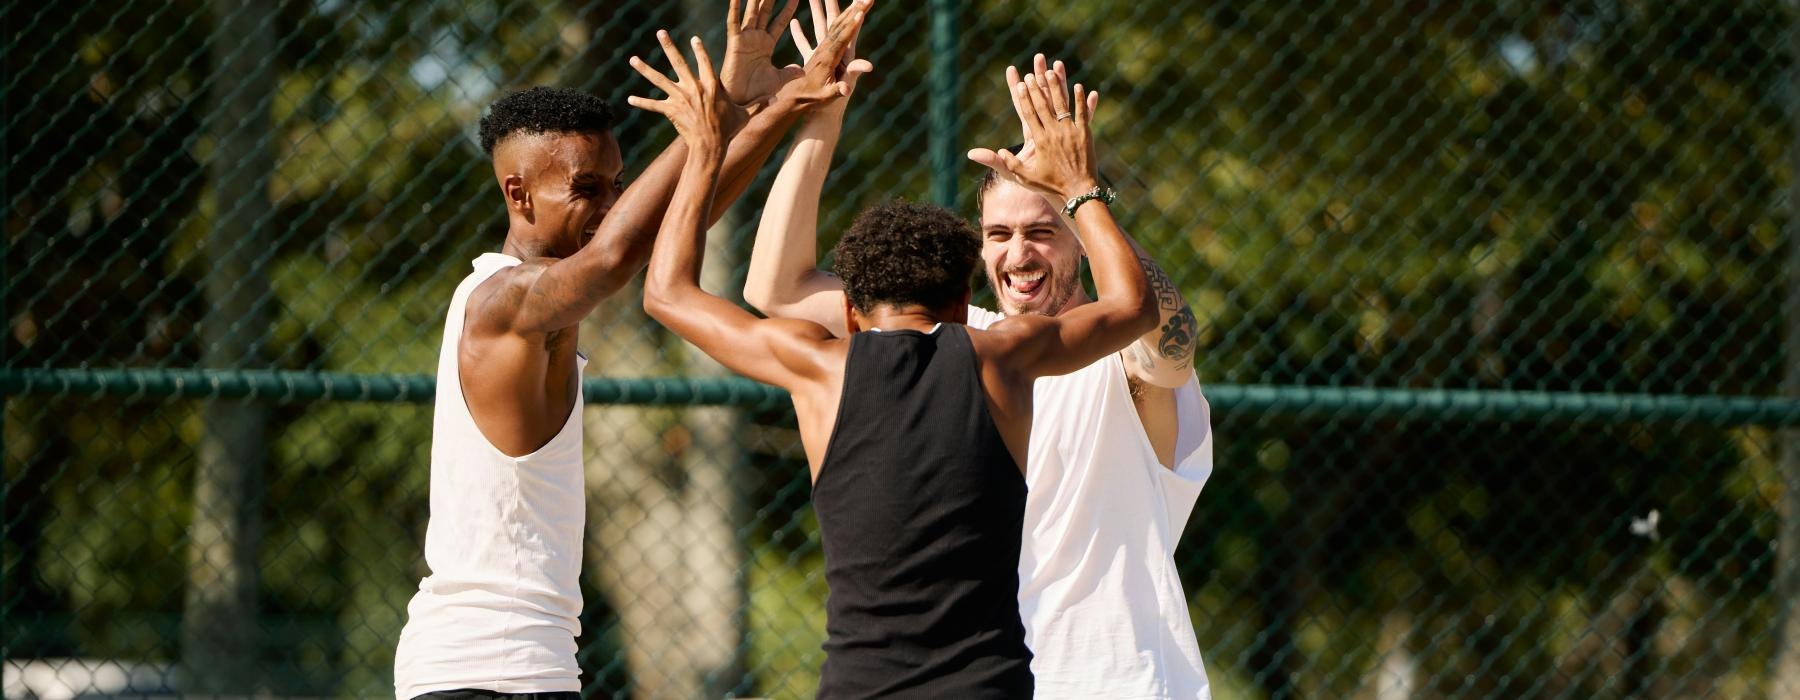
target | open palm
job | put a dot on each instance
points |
(748, 73)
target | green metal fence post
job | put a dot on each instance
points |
(946, 84)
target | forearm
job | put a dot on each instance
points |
(1119, 275)
(681, 243)
(785, 252)
(627, 233)
(673, 296)
(748, 151)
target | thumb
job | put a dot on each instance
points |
(1009, 163)
(985, 157)
(859, 67)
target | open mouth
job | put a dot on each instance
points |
(1023, 285)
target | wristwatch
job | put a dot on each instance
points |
(1105, 194)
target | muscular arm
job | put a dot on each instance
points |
(1164, 357)
(778, 352)
(784, 280)
(559, 293)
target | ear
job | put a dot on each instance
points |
(850, 323)
(517, 197)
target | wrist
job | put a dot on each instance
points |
(1103, 195)
(783, 103)
(1077, 188)
(706, 149)
(830, 112)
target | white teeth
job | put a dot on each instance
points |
(1026, 277)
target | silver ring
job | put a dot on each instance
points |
(1062, 116)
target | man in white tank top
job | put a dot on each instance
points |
(499, 612)
(1118, 450)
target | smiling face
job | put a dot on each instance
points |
(1032, 258)
(559, 186)
(581, 180)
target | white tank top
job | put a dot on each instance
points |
(1101, 599)
(500, 610)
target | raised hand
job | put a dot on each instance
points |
(826, 75)
(748, 73)
(696, 104)
(823, 15)
(1040, 67)
(1060, 164)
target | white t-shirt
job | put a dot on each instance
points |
(502, 606)
(1099, 594)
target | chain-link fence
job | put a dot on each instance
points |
(1493, 295)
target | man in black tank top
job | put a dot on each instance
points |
(915, 427)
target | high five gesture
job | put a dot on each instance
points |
(1060, 161)
(694, 103)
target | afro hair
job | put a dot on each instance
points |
(544, 110)
(900, 252)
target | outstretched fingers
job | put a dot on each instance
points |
(707, 77)
(800, 42)
(1028, 117)
(1036, 93)
(682, 72)
(843, 29)
(1058, 92)
(657, 79)
(1081, 111)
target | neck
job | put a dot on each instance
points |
(909, 319)
(1077, 299)
(525, 246)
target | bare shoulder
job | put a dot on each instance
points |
(805, 347)
(495, 302)
(1010, 334)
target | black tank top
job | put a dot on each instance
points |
(921, 509)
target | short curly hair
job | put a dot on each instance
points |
(544, 110)
(901, 252)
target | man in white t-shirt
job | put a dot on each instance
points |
(1119, 450)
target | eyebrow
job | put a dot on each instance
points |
(1040, 223)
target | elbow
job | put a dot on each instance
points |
(1145, 314)
(658, 303)
(759, 297)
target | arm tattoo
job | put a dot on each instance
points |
(1178, 336)
(1167, 294)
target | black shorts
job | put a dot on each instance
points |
(471, 694)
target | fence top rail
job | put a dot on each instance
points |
(1411, 405)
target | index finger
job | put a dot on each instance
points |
(682, 72)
